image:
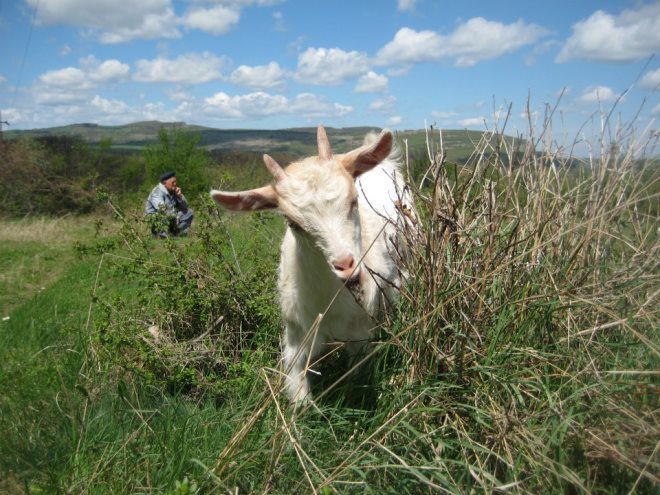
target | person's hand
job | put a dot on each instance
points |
(178, 192)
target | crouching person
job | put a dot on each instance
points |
(166, 209)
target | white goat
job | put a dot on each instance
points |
(337, 270)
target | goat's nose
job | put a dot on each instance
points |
(346, 267)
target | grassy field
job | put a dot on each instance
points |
(523, 357)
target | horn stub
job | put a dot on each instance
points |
(325, 151)
(274, 168)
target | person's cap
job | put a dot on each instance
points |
(166, 175)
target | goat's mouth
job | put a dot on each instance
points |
(353, 283)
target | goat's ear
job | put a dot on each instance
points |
(367, 157)
(263, 198)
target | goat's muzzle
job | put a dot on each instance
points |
(347, 270)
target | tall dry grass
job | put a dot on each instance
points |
(524, 355)
(60, 231)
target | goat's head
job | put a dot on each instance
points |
(319, 198)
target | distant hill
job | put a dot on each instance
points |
(298, 141)
(136, 133)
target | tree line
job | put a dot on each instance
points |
(56, 175)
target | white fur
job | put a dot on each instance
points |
(319, 309)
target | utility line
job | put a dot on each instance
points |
(25, 52)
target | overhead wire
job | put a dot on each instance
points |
(25, 53)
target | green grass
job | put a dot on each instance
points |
(43, 353)
(36, 252)
(522, 358)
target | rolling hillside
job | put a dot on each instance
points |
(298, 141)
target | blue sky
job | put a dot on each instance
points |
(287, 63)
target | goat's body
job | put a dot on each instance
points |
(337, 267)
(319, 311)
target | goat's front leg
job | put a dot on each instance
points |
(295, 356)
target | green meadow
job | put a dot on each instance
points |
(521, 358)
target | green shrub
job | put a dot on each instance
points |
(178, 151)
(45, 176)
(196, 313)
(57, 175)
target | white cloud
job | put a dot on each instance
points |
(372, 83)
(65, 50)
(655, 111)
(472, 122)
(471, 42)
(410, 46)
(261, 104)
(383, 105)
(394, 120)
(105, 14)
(91, 73)
(69, 77)
(311, 107)
(111, 70)
(58, 96)
(331, 66)
(532, 116)
(408, 5)
(215, 20)
(186, 110)
(192, 68)
(479, 39)
(259, 77)
(65, 108)
(115, 21)
(597, 94)
(651, 80)
(10, 115)
(236, 107)
(107, 71)
(113, 107)
(248, 3)
(631, 35)
(121, 21)
(2, 79)
(65, 113)
(180, 95)
(154, 26)
(155, 111)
